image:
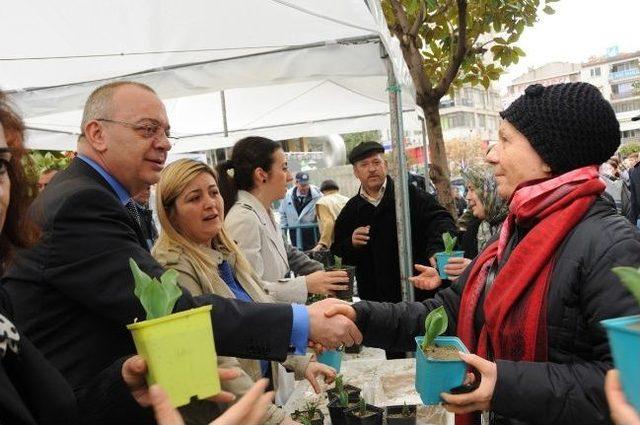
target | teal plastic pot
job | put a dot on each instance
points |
(438, 376)
(625, 347)
(331, 358)
(441, 260)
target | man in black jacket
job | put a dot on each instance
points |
(365, 230)
(73, 291)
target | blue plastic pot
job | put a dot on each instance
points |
(625, 347)
(438, 376)
(331, 358)
(441, 260)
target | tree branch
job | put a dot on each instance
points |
(401, 16)
(422, 14)
(461, 50)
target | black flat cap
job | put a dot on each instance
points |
(364, 150)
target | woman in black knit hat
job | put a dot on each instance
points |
(530, 304)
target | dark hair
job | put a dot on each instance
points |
(247, 155)
(18, 231)
(328, 185)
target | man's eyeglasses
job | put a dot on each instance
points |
(147, 130)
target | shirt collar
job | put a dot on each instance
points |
(375, 201)
(121, 192)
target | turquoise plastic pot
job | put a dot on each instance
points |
(625, 347)
(438, 376)
(441, 261)
(331, 358)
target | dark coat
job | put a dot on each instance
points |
(73, 292)
(377, 263)
(569, 388)
(633, 212)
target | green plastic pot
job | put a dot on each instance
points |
(180, 354)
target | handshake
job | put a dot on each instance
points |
(332, 324)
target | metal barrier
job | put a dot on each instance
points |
(298, 228)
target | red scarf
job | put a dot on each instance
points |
(515, 311)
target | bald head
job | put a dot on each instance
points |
(100, 102)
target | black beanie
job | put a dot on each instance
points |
(569, 125)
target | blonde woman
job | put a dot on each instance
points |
(193, 241)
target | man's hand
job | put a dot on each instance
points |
(134, 370)
(314, 369)
(622, 412)
(249, 410)
(331, 331)
(360, 236)
(455, 266)
(479, 399)
(427, 279)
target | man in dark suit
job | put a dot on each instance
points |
(73, 291)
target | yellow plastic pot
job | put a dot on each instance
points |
(180, 354)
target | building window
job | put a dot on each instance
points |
(629, 105)
(482, 121)
(595, 72)
(457, 119)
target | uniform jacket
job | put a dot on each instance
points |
(73, 292)
(377, 263)
(255, 231)
(569, 388)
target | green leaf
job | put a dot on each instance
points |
(630, 278)
(549, 10)
(157, 297)
(434, 325)
(449, 242)
(500, 40)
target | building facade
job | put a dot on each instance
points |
(471, 113)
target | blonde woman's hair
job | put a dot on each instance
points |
(173, 181)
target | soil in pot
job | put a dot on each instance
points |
(441, 353)
(353, 393)
(354, 349)
(395, 416)
(318, 417)
(347, 294)
(372, 416)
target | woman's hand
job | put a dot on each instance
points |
(324, 283)
(314, 369)
(134, 371)
(480, 398)
(249, 410)
(427, 279)
(455, 266)
(622, 412)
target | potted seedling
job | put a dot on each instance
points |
(401, 415)
(346, 294)
(364, 414)
(339, 405)
(178, 348)
(353, 393)
(311, 415)
(443, 257)
(332, 358)
(438, 365)
(624, 338)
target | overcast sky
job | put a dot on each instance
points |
(579, 29)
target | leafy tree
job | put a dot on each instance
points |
(353, 139)
(448, 43)
(628, 149)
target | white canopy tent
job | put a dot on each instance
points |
(286, 68)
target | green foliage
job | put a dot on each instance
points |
(630, 278)
(628, 149)
(337, 262)
(339, 383)
(493, 27)
(434, 325)
(449, 242)
(343, 398)
(362, 407)
(49, 160)
(311, 408)
(157, 297)
(351, 140)
(405, 409)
